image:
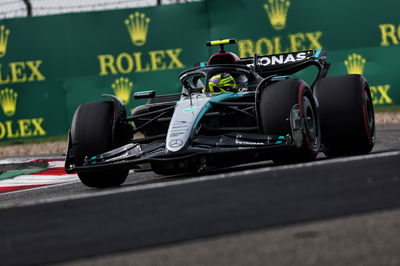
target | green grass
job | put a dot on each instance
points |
(32, 140)
(387, 108)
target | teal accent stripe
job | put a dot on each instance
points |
(219, 98)
(279, 77)
(201, 114)
(280, 141)
(317, 53)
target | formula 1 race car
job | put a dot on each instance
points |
(231, 111)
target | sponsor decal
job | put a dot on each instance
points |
(20, 72)
(355, 64)
(139, 62)
(390, 34)
(122, 89)
(138, 25)
(8, 101)
(126, 63)
(380, 94)
(21, 128)
(177, 134)
(281, 59)
(242, 142)
(120, 157)
(280, 44)
(4, 32)
(17, 72)
(11, 73)
(189, 109)
(277, 13)
(175, 143)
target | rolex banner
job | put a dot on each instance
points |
(49, 65)
(362, 37)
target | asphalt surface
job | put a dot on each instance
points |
(217, 218)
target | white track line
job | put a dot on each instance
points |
(13, 160)
(203, 178)
(54, 164)
(30, 180)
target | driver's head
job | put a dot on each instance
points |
(222, 83)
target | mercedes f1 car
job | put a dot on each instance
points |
(266, 114)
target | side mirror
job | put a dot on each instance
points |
(144, 94)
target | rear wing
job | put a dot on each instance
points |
(287, 63)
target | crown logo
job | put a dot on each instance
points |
(277, 12)
(138, 25)
(8, 101)
(355, 64)
(122, 89)
(3, 40)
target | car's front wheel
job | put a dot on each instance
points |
(91, 134)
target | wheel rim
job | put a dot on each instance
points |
(311, 123)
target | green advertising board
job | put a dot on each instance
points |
(361, 37)
(49, 65)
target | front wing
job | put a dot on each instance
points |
(133, 155)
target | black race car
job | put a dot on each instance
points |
(268, 114)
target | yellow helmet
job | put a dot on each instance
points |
(222, 83)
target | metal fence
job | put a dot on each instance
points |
(23, 8)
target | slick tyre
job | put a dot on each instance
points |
(347, 115)
(91, 134)
(276, 103)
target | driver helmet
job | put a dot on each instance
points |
(222, 83)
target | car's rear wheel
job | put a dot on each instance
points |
(91, 134)
(276, 104)
(347, 115)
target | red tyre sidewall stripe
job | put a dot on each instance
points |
(299, 101)
(364, 110)
(299, 98)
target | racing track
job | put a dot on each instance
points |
(339, 211)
